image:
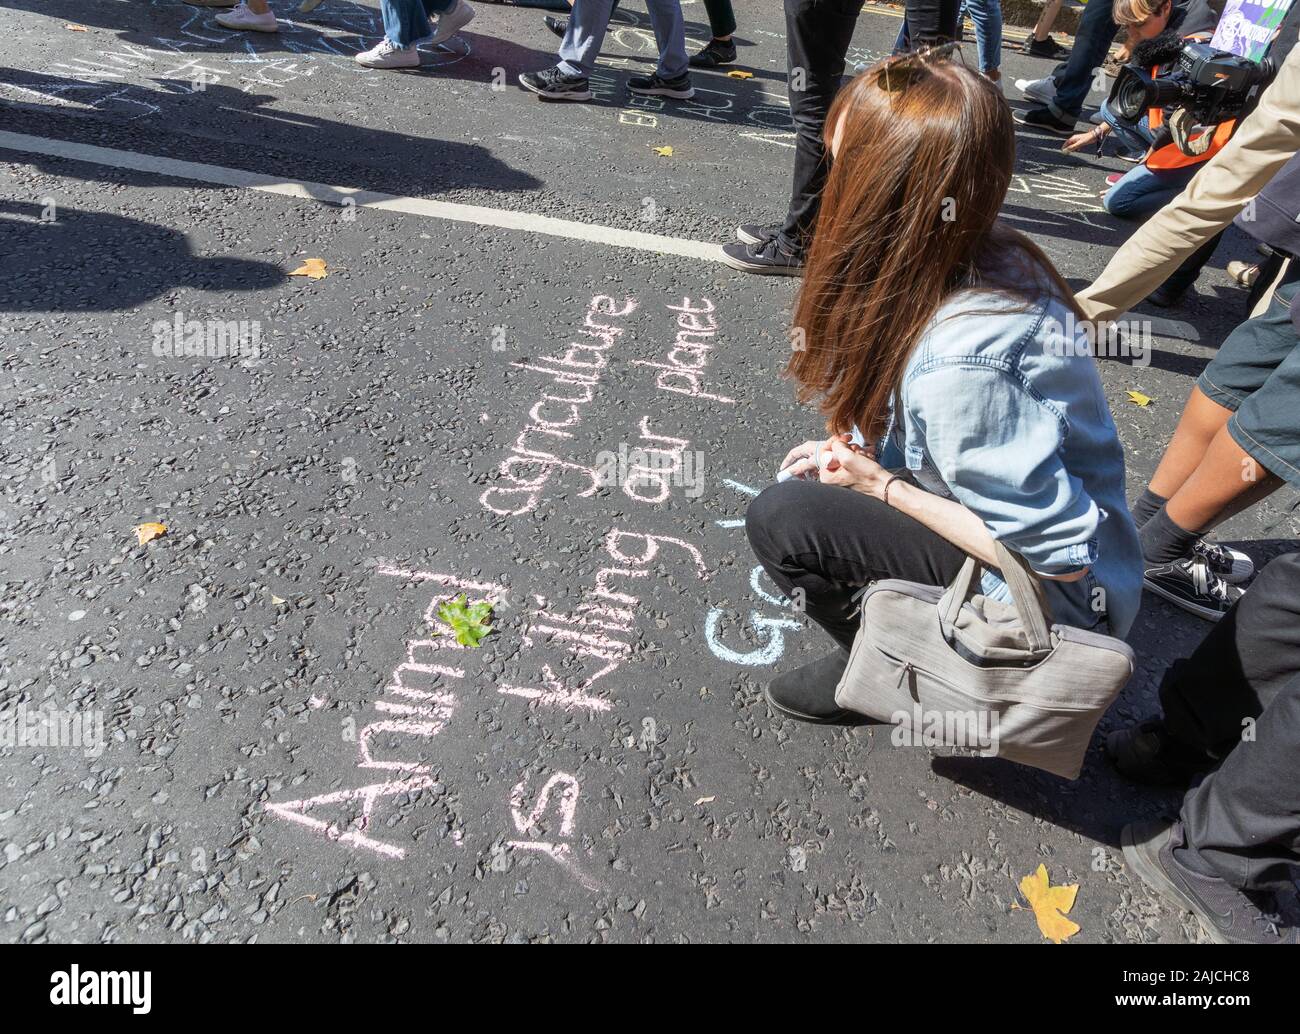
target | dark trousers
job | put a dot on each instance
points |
(1074, 78)
(817, 38)
(722, 19)
(822, 543)
(1237, 698)
(931, 21)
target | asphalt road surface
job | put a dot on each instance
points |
(293, 750)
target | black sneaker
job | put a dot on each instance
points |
(559, 26)
(654, 86)
(755, 233)
(1047, 48)
(1226, 914)
(1189, 583)
(551, 84)
(1232, 565)
(807, 694)
(716, 52)
(766, 257)
(1146, 753)
(1042, 118)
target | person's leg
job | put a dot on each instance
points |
(818, 34)
(1242, 823)
(902, 43)
(670, 37)
(1045, 20)
(1143, 191)
(1135, 136)
(987, 16)
(405, 22)
(1073, 80)
(586, 33)
(722, 19)
(932, 21)
(821, 544)
(1239, 667)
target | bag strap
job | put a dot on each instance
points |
(1026, 593)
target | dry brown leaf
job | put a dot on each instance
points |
(1050, 905)
(312, 267)
(148, 531)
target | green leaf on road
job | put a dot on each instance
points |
(468, 622)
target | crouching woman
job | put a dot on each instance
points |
(954, 346)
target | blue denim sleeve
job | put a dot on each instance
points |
(998, 447)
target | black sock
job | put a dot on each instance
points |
(1146, 506)
(1163, 541)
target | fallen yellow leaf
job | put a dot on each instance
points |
(1137, 398)
(74, 28)
(312, 267)
(148, 532)
(1050, 905)
(740, 73)
(664, 152)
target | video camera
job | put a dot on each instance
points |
(1210, 85)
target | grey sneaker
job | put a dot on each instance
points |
(1226, 914)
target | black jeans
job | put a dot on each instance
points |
(1237, 698)
(824, 543)
(817, 38)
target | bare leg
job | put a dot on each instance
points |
(1046, 19)
(1202, 419)
(1225, 481)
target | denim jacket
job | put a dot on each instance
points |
(1002, 409)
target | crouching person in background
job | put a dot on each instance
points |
(935, 330)
(1232, 710)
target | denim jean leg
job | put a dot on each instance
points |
(1096, 31)
(586, 33)
(670, 37)
(405, 22)
(1142, 191)
(1136, 136)
(987, 16)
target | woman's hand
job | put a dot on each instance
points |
(802, 459)
(853, 466)
(1079, 140)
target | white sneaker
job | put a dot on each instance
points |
(240, 17)
(387, 54)
(451, 23)
(1041, 90)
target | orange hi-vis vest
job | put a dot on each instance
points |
(1170, 156)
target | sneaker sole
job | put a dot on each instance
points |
(664, 91)
(387, 68)
(1178, 601)
(1152, 873)
(439, 37)
(761, 268)
(749, 238)
(247, 28)
(543, 95)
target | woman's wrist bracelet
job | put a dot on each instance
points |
(884, 495)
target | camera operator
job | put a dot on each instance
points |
(1237, 438)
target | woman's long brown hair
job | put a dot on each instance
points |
(908, 216)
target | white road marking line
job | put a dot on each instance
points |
(325, 193)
